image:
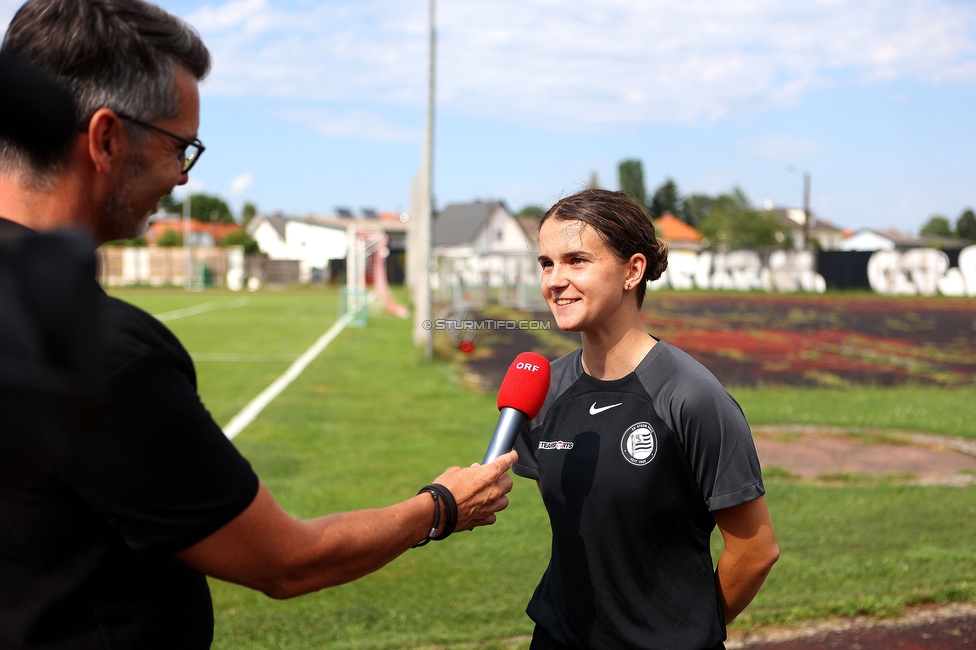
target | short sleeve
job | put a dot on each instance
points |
(527, 465)
(709, 423)
(720, 449)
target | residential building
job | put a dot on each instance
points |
(203, 234)
(677, 234)
(480, 228)
(319, 244)
(823, 234)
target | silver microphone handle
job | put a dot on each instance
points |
(510, 421)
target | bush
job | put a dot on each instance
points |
(170, 238)
(241, 238)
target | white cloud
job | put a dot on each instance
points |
(782, 149)
(363, 124)
(240, 183)
(571, 64)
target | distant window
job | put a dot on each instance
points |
(499, 235)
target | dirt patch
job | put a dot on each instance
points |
(828, 453)
(946, 627)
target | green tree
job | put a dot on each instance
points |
(170, 238)
(937, 226)
(733, 223)
(204, 207)
(126, 243)
(666, 199)
(535, 211)
(632, 179)
(170, 205)
(241, 238)
(248, 212)
(695, 208)
(594, 182)
(966, 225)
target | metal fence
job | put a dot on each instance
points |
(507, 279)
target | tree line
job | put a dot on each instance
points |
(206, 208)
(940, 226)
(729, 221)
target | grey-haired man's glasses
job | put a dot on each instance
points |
(189, 153)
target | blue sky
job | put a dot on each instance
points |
(313, 105)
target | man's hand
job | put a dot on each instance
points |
(479, 490)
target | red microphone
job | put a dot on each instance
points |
(520, 398)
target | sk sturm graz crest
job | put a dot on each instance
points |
(639, 444)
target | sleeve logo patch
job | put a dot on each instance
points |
(555, 444)
(639, 444)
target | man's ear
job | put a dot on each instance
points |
(107, 141)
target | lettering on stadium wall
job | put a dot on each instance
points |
(782, 271)
(917, 271)
(924, 271)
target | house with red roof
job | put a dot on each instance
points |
(678, 234)
(203, 234)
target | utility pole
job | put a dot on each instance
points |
(806, 211)
(806, 204)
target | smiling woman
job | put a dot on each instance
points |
(633, 424)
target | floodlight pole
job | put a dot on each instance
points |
(187, 251)
(422, 303)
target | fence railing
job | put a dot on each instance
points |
(124, 266)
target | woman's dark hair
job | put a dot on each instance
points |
(622, 223)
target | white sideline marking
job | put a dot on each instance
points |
(245, 358)
(254, 408)
(199, 309)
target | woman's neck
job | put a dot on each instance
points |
(612, 355)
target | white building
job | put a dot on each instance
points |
(868, 240)
(476, 229)
(306, 239)
(483, 253)
(821, 230)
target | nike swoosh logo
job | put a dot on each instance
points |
(594, 410)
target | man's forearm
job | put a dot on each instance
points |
(267, 549)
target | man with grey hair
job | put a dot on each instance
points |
(110, 549)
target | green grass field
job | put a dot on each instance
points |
(369, 422)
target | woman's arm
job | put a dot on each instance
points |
(750, 552)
